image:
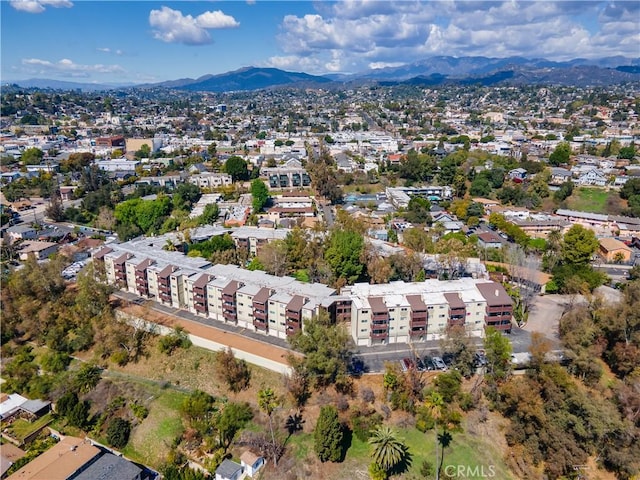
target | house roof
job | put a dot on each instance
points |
(610, 244)
(494, 294)
(416, 302)
(34, 406)
(228, 468)
(109, 467)
(377, 304)
(249, 457)
(60, 462)
(454, 300)
(489, 237)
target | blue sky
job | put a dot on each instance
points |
(148, 41)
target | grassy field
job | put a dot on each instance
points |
(150, 441)
(589, 200)
(473, 452)
(21, 428)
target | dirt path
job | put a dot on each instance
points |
(235, 341)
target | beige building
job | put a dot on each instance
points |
(613, 250)
(397, 312)
(400, 312)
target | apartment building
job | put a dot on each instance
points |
(252, 239)
(400, 312)
(211, 180)
(291, 174)
(397, 312)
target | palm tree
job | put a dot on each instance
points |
(388, 450)
(435, 406)
(444, 439)
(268, 402)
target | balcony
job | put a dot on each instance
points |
(380, 316)
(499, 309)
(293, 315)
(200, 308)
(379, 334)
(262, 325)
(292, 330)
(418, 322)
(229, 316)
(293, 323)
(418, 330)
(259, 314)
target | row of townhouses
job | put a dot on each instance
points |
(397, 312)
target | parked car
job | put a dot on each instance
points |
(357, 366)
(479, 359)
(420, 365)
(438, 364)
(407, 364)
(449, 359)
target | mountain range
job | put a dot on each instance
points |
(438, 70)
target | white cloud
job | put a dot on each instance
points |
(172, 26)
(379, 65)
(66, 67)
(216, 19)
(109, 50)
(360, 34)
(39, 6)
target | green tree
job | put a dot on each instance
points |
(344, 254)
(328, 435)
(326, 351)
(560, 154)
(498, 352)
(387, 450)
(87, 377)
(578, 245)
(32, 156)
(237, 168)
(434, 403)
(419, 210)
(118, 432)
(233, 418)
(260, 194)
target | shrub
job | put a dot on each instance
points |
(118, 432)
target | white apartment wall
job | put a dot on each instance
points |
(110, 271)
(214, 299)
(244, 307)
(277, 322)
(131, 277)
(152, 280)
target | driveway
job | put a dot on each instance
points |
(545, 313)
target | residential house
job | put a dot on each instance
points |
(489, 239)
(613, 250)
(229, 470)
(518, 175)
(559, 175)
(111, 467)
(63, 461)
(251, 463)
(592, 177)
(9, 454)
(40, 250)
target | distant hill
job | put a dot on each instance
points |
(251, 78)
(47, 83)
(432, 71)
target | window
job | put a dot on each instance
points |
(364, 320)
(363, 330)
(272, 321)
(403, 309)
(365, 312)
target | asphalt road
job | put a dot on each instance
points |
(374, 357)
